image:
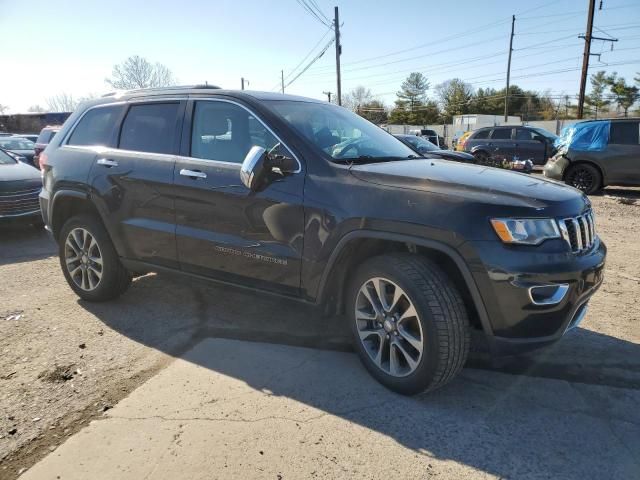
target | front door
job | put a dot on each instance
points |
(134, 182)
(224, 230)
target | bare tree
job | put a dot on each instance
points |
(3, 108)
(357, 97)
(138, 72)
(63, 102)
(36, 109)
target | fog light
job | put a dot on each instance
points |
(548, 294)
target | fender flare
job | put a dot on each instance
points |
(447, 250)
(63, 193)
(480, 148)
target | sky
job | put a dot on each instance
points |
(71, 46)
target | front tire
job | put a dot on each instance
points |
(89, 260)
(584, 177)
(409, 324)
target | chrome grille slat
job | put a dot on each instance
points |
(579, 232)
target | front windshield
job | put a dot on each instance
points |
(16, 144)
(5, 159)
(421, 143)
(339, 133)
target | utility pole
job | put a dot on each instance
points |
(336, 25)
(242, 80)
(585, 57)
(328, 94)
(282, 80)
(506, 93)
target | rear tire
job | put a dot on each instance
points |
(89, 260)
(406, 352)
(584, 177)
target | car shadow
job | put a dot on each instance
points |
(621, 193)
(459, 420)
(22, 242)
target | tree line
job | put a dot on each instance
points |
(413, 105)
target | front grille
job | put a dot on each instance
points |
(579, 232)
(19, 202)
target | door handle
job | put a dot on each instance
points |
(192, 173)
(105, 162)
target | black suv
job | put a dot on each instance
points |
(508, 141)
(308, 200)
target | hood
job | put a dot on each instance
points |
(473, 182)
(19, 172)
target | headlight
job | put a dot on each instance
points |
(526, 231)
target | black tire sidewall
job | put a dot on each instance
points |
(111, 266)
(421, 377)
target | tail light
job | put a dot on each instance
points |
(42, 161)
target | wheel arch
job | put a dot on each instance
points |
(358, 246)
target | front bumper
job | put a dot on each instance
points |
(555, 168)
(505, 277)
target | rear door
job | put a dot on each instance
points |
(621, 160)
(501, 143)
(528, 146)
(224, 230)
(133, 181)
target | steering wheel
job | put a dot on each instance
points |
(350, 145)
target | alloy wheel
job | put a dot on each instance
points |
(83, 259)
(582, 179)
(389, 327)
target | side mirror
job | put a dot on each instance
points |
(258, 164)
(254, 168)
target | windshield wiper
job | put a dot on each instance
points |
(370, 159)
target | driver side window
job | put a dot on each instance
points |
(226, 132)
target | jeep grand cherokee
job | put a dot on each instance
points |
(307, 200)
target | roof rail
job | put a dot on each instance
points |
(156, 89)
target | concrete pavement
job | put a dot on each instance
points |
(237, 409)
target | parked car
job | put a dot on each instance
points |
(598, 153)
(46, 134)
(32, 137)
(431, 135)
(459, 147)
(20, 185)
(424, 147)
(254, 189)
(20, 146)
(508, 141)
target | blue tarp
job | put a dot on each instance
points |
(585, 136)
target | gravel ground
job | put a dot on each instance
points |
(64, 362)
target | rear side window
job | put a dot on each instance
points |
(501, 134)
(150, 128)
(96, 126)
(480, 135)
(625, 133)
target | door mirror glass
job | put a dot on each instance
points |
(254, 168)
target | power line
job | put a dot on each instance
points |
(316, 58)
(313, 13)
(308, 54)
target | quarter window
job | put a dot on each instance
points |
(96, 127)
(226, 132)
(625, 133)
(150, 128)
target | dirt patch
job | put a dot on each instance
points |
(63, 361)
(59, 374)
